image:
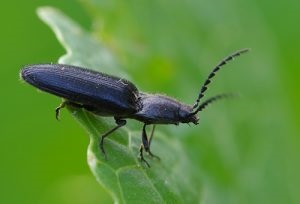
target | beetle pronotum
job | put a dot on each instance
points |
(107, 95)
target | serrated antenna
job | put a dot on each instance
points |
(213, 73)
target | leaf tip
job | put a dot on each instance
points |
(43, 11)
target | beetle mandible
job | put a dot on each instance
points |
(107, 95)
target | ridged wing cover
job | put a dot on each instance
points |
(102, 93)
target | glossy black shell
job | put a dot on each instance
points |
(100, 93)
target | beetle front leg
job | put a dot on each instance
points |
(142, 156)
(150, 140)
(64, 104)
(146, 145)
(151, 136)
(120, 123)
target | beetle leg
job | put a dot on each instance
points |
(57, 110)
(142, 156)
(153, 155)
(120, 123)
(146, 143)
(62, 105)
(145, 139)
(151, 136)
(150, 139)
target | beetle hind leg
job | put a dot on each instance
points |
(142, 156)
(120, 123)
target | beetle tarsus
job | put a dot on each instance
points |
(153, 155)
(142, 156)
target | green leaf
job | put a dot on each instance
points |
(171, 180)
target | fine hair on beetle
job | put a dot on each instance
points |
(111, 96)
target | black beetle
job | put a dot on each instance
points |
(107, 95)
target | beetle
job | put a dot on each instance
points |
(112, 96)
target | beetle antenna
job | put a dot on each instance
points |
(213, 72)
(213, 99)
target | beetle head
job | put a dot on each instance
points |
(186, 116)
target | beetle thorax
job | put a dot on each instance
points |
(160, 109)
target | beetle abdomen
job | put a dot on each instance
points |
(104, 94)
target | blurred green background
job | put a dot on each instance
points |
(247, 149)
